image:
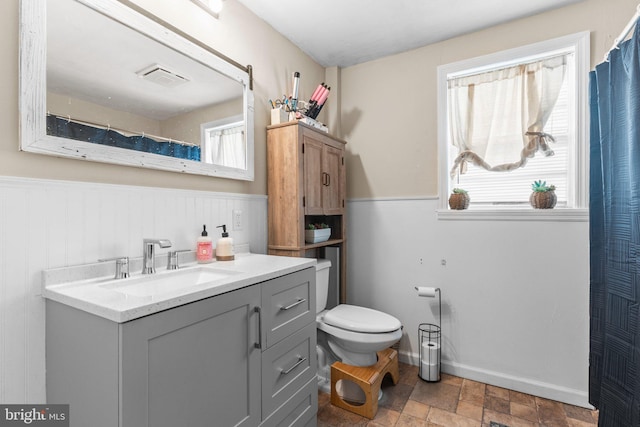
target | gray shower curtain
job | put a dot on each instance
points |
(614, 372)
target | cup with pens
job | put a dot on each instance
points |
(280, 109)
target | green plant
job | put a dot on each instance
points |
(459, 191)
(317, 226)
(542, 187)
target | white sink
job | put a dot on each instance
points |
(122, 300)
(169, 281)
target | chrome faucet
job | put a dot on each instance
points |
(148, 259)
(172, 261)
(122, 266)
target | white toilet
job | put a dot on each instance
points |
(348, 333)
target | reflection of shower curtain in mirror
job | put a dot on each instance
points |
(67, 128)
(227, 147)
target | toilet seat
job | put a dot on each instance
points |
(357, 337)
(361, 319)
(353, 347)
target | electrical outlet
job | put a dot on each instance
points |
(237, 220)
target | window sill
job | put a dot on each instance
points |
(492, 214)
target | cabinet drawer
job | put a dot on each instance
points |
(288, 304)
(298, 411)
(287, 366)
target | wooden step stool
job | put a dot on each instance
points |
(368, 378)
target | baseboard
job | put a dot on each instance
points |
(499, 379)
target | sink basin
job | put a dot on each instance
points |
(168, 282)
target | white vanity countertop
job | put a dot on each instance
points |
(67, 286)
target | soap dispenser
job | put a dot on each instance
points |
(224, 247)
(204, 251)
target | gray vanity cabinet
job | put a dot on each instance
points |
(244, 358)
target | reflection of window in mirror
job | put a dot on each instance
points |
(223, 142)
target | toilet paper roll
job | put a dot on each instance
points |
(430, 352)
(426, 292)
(430, 371)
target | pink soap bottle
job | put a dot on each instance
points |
(204, 251)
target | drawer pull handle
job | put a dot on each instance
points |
(298, 363)
(290, 306)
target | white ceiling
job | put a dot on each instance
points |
(347, 32)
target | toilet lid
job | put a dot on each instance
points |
(361, 319)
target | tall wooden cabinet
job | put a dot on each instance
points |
(306, 184)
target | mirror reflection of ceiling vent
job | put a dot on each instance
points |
(162, 76)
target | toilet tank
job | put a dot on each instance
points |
(322, 283)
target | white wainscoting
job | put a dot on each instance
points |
(47, 224)
(515, 294)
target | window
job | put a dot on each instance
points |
(223, 143)
(496, 157)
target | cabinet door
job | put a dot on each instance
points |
(194, 365)
(313, 175)
(333, 168)
(323, 176)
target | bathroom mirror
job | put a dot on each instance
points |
(102, 81)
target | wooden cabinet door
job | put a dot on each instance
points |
(313, 175)
(333, 169)
(323, 176)
(194, 365)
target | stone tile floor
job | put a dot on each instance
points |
(455, 402)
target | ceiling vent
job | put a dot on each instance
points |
(162, 76)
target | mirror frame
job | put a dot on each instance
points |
(33, 90)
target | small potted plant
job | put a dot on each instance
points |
(543, 195)
(459, 199)
(316, 233)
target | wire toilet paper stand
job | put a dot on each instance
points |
(429, 338)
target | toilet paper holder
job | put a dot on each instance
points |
(430, 293)
(429, 338)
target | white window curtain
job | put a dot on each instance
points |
(225, 146)
(497, 117)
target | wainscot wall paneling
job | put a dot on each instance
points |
(48, 224)
(515, 294)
